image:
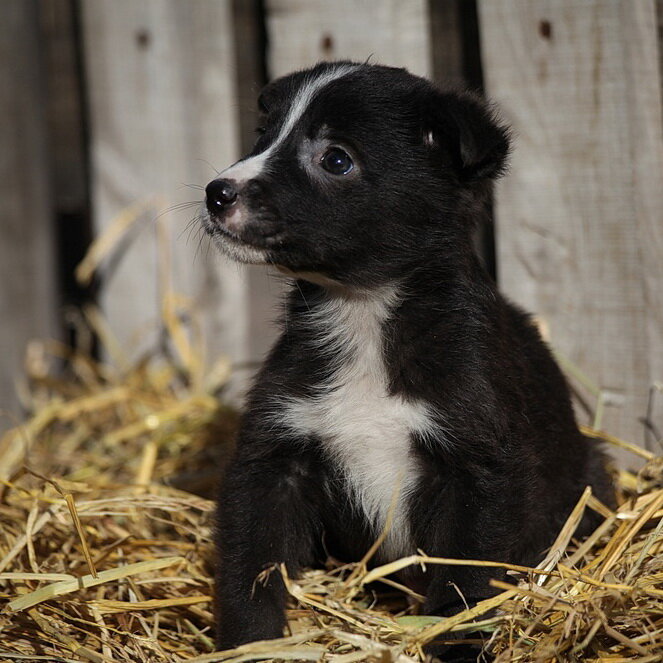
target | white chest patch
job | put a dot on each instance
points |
(364, 429)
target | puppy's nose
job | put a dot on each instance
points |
(220, 194)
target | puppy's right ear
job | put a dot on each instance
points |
(467, 130)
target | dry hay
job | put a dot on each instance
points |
(106, 553)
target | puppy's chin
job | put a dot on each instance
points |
(239, 251)
(233, 245)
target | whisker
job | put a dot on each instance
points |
(192, 220)
(198, 251)
(302, 294)
(185, 205)
(177, 207)
(191, 226)
(210, 165)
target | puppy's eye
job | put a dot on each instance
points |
(260, 130)
(337, 161)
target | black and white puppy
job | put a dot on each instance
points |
(400, 369)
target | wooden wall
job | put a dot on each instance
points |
(163, 112)
(389, 32)
(169, 89)
(580, 216)
(28, 289)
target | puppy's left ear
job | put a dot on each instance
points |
(467, 130)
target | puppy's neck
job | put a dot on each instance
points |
(337, 304)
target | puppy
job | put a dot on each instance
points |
(401, 375)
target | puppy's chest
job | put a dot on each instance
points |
(360, 425)
(365, 431)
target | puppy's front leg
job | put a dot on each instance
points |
(267, 515)
(468, 521)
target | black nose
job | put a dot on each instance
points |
(220, 194)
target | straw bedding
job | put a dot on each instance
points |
(106, 552)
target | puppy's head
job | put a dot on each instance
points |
(360, 172)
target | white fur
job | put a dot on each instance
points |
(250, 168)
(239, 251)
(363, 428)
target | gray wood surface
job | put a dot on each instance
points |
(66, 121)
(164, 114)
(579, 217)
(28, 302)
(389, 32)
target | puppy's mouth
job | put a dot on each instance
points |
(218, 229)
(241, 241)
(252, 245)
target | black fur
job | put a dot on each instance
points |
(509, 462)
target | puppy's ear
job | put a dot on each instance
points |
(466, 129)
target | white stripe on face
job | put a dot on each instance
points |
(250, 168)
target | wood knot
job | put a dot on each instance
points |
(143, 38)
(545, 29)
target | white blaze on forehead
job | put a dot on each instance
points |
(250, 168)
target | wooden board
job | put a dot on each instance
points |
(389, 32)
(579, 217)
(28, 304)
(164, 114)
(65, 109)
(66, 122)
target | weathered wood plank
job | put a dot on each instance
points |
(264, 290)
(27, 271)
(68, 150)
(455, 50)
(447, 42)
(389, 32)
(65, 113)
(164, 113)
(580, 229)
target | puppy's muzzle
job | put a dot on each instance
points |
(220, 195)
